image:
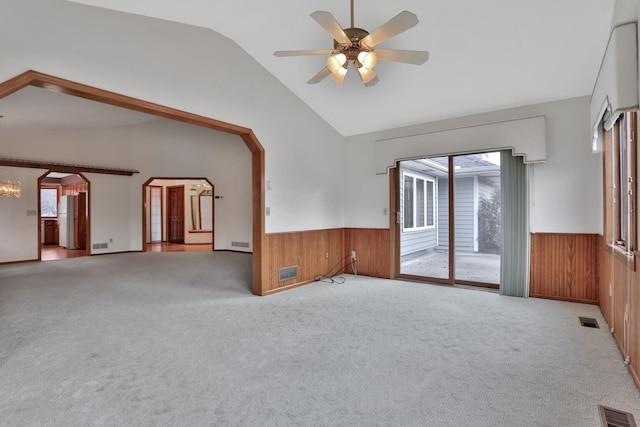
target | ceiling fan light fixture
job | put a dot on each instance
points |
(366, 74)
(335, 62)
(338, 75)
(357, 45)
(368, 59)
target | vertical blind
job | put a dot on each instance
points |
(514, 266)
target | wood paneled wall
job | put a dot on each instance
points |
(74, 189)
(620, 294)
(314, 252)
(322, 252)
(565, 266)
(372, 251)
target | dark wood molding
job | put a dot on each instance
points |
(64, 167)
(69, 87)
(394, 225)
(565, 299)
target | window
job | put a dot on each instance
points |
(49, 202)
(419, 202)
(620, 181)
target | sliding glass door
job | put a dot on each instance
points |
(451, 235)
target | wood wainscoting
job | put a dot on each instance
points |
(620, 301)
(313, 252)
(565, 266)
(372, 248)
(325, 252)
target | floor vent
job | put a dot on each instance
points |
(589, 322)
(615, 418)
(287, 273)
(240, 244)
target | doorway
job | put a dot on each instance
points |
(178, 214)
(63, 216)
(450, 234)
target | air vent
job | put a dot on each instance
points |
(288, 273)
(240, 244)
(589, 322)
(100, 245)
(616, 418)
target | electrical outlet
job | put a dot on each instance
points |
(110, 240)
(326, 255)
(353, 255)
(610, 289)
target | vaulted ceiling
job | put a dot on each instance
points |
(484, 55)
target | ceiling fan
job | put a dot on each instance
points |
(357, 46)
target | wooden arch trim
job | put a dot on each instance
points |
(68, 87)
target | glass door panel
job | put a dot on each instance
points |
(477, 218)
(469, 251)
(424, 218)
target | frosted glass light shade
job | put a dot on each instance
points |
(335, 62)
(368, 59)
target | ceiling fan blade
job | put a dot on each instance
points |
(417, 57)
(396, 25)
(302, 52)
(366, 75)
(320, 76)
(373, 82)
(331, 26)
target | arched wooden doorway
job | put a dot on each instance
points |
(34, 78)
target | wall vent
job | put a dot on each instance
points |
(287, 273)
(240, 244)
(589, 322)
(616, 418)
(100, 245)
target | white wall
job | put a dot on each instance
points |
(160, 148)
(180, 66)
(19, 232)
(565, 190)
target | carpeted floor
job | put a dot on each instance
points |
(176, 339)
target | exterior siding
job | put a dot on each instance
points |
(443, 213)
(415, 241)
(465, 215)
(485, 188)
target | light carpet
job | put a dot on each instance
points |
(177, 339)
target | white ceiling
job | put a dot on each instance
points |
(484, 55)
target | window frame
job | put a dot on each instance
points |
(416, 176)
(620, 183)
(49, 188)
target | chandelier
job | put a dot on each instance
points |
(8, 188)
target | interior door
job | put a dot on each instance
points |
(175, 214)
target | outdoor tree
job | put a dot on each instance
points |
(489, 224)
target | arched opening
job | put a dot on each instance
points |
(197, 219)
(34, 78)
(64, 216)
